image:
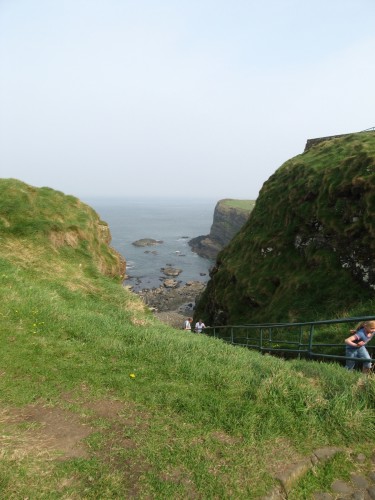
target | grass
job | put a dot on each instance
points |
(246, 205)
(199, 419)
(202, 414)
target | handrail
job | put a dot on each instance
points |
(300, 339)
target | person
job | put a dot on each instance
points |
(199, 326)
(355, 345)
(187, 324)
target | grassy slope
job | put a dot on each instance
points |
(200, 418)
(314, 214)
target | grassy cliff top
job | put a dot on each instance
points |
(100, 400)
(308, 248)
(246, 205)
(58, 228)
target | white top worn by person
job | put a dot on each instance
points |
(199, 326)
(187, 324)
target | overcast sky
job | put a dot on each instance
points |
(177, 97)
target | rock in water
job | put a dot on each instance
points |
(171, 271)
(146, 242)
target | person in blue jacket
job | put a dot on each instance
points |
(355, 345)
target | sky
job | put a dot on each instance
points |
(169, 98)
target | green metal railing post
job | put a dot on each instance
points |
(300, 340)
(309, 352)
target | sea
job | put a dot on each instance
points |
(172, 221)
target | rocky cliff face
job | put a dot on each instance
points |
(308, 249)
(229, 216)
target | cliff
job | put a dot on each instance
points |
(50, 224)
(308, 249)
(229, 216)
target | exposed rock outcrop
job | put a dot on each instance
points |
(229, 216)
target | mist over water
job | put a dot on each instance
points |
(173, 221)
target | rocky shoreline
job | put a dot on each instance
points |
(173, 305)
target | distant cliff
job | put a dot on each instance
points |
(308, 250)
(229, 216)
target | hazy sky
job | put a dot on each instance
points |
(177, 97)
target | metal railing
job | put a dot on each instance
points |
(293, 339)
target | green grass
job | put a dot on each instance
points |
(201, 419)
(246, 205)
(202, 413)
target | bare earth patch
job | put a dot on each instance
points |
(43, 430)
(59, 433)
(281, 454)
(106, 408)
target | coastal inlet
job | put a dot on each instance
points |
(163, 266)
(172, 300)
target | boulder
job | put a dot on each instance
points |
(171, 271)
(169, 283)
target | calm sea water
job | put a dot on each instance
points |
(174, 221)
